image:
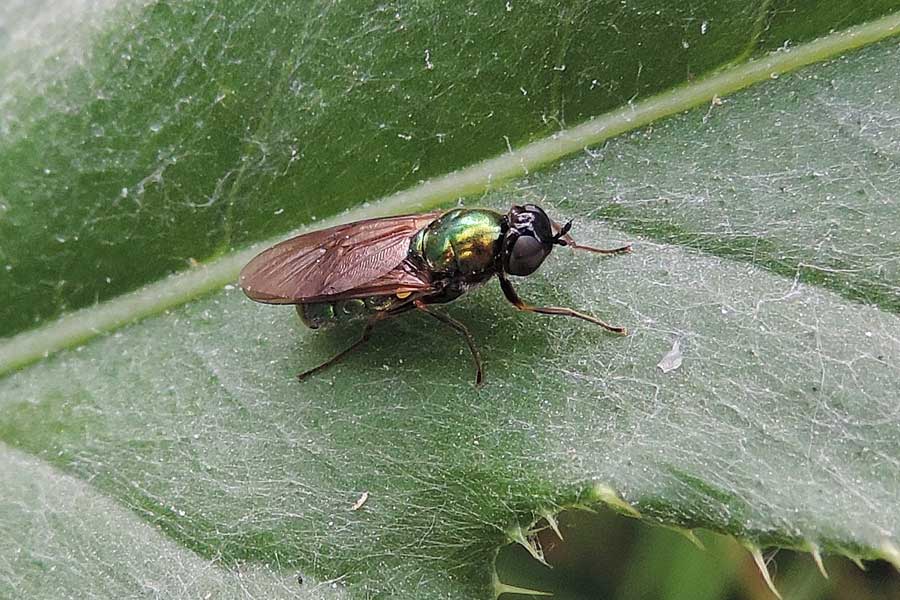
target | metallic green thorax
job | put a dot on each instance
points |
(463, 241)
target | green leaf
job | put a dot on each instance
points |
(779, 427)
(61, 537)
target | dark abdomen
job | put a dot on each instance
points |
(321, 314)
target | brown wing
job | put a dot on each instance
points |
(320, 264)
(404, 278)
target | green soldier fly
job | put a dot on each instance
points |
(378, 268)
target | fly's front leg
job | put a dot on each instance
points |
(511, 295)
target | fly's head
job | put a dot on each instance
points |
(529, 239)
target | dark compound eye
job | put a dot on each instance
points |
(526, 255)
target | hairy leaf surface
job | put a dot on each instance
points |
(179, 455)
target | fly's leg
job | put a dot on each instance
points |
(571, 243)
(340, 355)
(476, 356)
(511, 295)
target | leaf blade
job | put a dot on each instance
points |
(737, 439)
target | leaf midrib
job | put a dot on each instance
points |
(82, 325)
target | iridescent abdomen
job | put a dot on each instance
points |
(319, 314)
(463, 241)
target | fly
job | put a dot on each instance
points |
(376, 269)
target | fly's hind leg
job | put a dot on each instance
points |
(511, 295)
(459, 327)
(340, 355)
